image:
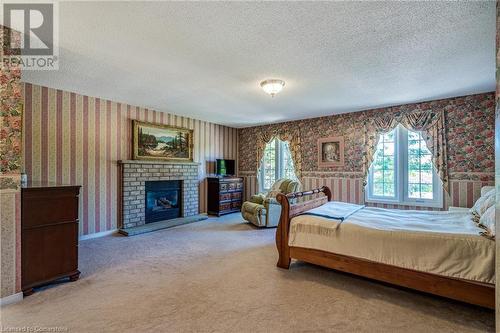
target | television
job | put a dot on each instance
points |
(225, 167)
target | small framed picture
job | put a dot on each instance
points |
(331, 151)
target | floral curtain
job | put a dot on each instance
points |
(431, 124)
(284, 134)
(381, 125)
(432, 127)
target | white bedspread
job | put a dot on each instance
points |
(443, 243)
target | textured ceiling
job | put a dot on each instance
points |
(206, 59)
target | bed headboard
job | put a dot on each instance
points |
(298, 208)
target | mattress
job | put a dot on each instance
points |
(442, 243)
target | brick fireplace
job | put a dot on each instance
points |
(150, 187)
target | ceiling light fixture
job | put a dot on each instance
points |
(272, 86)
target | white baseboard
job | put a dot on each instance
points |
(98, 234)
(11, 299)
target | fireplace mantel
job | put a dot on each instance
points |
(156, 162)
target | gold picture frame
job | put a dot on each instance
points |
(162, 142)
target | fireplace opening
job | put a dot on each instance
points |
(163, 200)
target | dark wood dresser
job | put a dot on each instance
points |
(225, 195)
(49, 234)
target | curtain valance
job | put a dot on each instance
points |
(289, 134)
(431, 124)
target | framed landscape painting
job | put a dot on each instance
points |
(331, 151)
(162, 142)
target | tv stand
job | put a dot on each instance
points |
(225, 195)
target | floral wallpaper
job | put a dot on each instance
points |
(10, 119)
(471, 131)
(470, 135)
(497, 171)
(10, 169)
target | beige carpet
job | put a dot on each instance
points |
(219, 275)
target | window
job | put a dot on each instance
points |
(276, 163)
(402, 171)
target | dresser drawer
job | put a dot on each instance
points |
(225, 206)
(49, 252)
(39, 210)
(225, 196)
(230, 186)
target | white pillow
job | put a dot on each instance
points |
(487, 221)
(483, 203)
(488, 203)
(486, 189)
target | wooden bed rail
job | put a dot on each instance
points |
(288, 211)
(324, 189)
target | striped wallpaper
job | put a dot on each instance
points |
(75, 139)
(463, 193)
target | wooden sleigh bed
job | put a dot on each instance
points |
(478, 293)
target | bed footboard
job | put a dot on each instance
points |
(288, 211)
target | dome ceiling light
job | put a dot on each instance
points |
(272, 86)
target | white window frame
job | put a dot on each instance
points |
(279, 166)
(401, 179)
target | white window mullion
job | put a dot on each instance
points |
(403, 165)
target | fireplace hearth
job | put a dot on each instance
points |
(163, 200)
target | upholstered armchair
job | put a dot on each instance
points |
(262, 209)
